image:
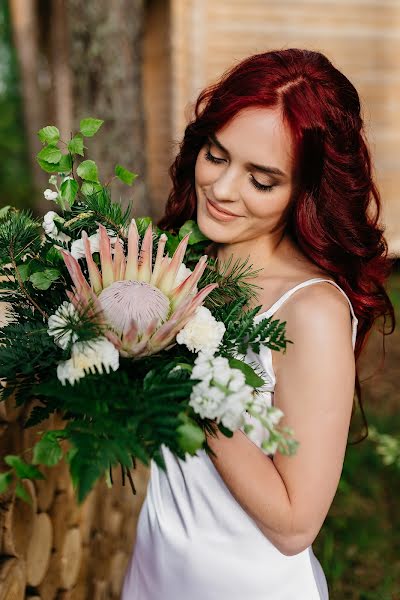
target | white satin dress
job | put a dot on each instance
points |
(194, 540)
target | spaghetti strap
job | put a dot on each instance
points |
(287, 295)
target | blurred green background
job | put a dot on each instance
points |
(359, 544)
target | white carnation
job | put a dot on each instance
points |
(58, 323)
(202, 332)
(87, 357)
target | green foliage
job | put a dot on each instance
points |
(124, 175)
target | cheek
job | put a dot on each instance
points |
(268, 204)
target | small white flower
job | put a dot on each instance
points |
(78, 249)
(67, 177)
(87, 357)
(53, 179)
(58, 324)
(50, 194)
(50, 227)
(201, 332)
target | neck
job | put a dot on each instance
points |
(262, 253)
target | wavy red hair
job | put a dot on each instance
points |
(334, 214)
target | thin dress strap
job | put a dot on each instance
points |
(287, 295)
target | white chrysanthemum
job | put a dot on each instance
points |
(202, 332)
(58, 323)
(87, 357)
(50, 194)
(221, 393)
(78, 249)
(49, 225)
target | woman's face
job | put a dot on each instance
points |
(244, 169)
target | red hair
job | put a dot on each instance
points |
(335, 209)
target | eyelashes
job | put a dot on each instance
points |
(259, 186)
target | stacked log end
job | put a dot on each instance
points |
(52, 548)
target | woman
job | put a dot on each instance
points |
(274, 166)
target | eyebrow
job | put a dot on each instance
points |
(262, 168)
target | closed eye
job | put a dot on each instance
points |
(259, 186)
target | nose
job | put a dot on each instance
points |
(226, 187)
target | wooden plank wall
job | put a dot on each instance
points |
(361, 37)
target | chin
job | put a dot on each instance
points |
(221, 233)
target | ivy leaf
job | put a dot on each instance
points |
(195, 235)
(5, 480)
(89, 126)
(75, 146)
(251, 376)
(42, 280)
(50, 154)
(22, 469)
(47, 451)
(124, 175)
(21, 492)
(49, 134)
(88, 170)
(69, 189)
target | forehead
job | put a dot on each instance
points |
(258, 135)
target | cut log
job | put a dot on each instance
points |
(87, 515)
(50, 583)
(64, 515)
(12, 580)
(39, 549)
(17, 519)
(101, 590)
(70, 558)
(45, 488)
(119, 563)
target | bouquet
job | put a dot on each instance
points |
(130, 333)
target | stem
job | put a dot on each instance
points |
(21, 285)
(131, 481)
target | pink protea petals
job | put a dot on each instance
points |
(168, 276)
(119, 261)
(133, 247)
(82, 286)
(182, 290)
(94, 273)
(167, 328)
(202, 294)
(132, 335)
(144, 268)
(105, 257)
(162, 240)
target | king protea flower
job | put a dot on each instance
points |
(141, 306)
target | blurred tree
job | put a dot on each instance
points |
(106, 64)
(16, 185)
(80, 59)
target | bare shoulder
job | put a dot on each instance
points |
(315, 315)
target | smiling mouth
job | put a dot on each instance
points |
(220, 210)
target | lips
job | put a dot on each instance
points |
(220, 210)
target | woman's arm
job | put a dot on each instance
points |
(289, 497)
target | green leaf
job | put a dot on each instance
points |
(69, 189)
(250, 375)
(42, 280)
(190, 435)
(50, 154)
(143, 223)
(47, 451)
(195, 235)
(4, 211)
(124, 175)
(22, 469)
(89, 126)
(64, 166)
(75, 146)
(88, 170)
(49, 134)
(21, 492)
(88, 188)
(24, 271)
(5, 480)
